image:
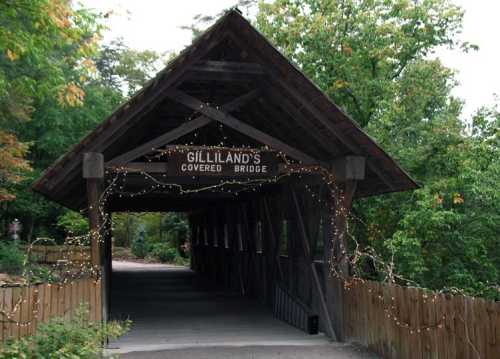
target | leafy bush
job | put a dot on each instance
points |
(42, 274)
(11, 258)
(182, 261)
(74, 223)
(139, 248)
(164, 252)
(61, 339)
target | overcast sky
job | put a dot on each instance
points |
(155, 24)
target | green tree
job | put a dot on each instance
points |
(39, 41)
(373, 58)
(51, 57)
(356, 50)
(124, 69)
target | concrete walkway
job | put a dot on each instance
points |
(176, 315)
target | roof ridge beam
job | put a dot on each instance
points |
(228, 66)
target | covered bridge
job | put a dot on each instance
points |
(263, 162)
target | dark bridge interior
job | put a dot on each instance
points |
(252, 263)
(175, 308)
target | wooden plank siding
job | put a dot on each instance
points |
(23, 308)
(440, 326)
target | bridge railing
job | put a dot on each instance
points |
(293, 311)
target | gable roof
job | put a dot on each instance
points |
(291, 107)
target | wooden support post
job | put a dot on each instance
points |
(277, 271)
(345, 202)
(106, 258)
(350, 170)
(308, 255)
(93, 172)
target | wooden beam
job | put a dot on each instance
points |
(233, 67)
(137, 107)
(93, 172)
(302, 120)
(152, 145)
(274, 239)
(203, 77)
(180, 131)
(349, 168)
(332, 128)
(131, 167)
(309, 258)
(106, 267)
(345, 201)
(240, 126)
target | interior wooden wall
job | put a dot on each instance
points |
(252, 266)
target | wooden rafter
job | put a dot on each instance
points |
(332, 128)
(240, 126)
(180, 131)
(136, 108)
(302, 121)
(228, 67)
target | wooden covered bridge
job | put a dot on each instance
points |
(263, 162)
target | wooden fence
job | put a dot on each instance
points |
(400, 322)
(52, 254)
(22, 308)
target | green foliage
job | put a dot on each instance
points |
(373, 58)
(11, 257)
(355, 50)
(164, 252)
(139, 246)
(44, 56)
(63, 339)
(158, 235)
(73, 223)
(54, 88)
(125, 69)
(39, 273)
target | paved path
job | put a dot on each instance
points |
(176, 315)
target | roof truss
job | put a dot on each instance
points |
(240, 126)
(180, 131)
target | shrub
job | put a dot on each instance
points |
(139, 248)
(164, 252)
(41, 274)
(60, 339)
(11, 258)
(74, 223)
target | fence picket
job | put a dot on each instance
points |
(25, 307)
(444, 326)
(440, 331)
(2, 317)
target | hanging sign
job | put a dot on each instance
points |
(221, 161)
